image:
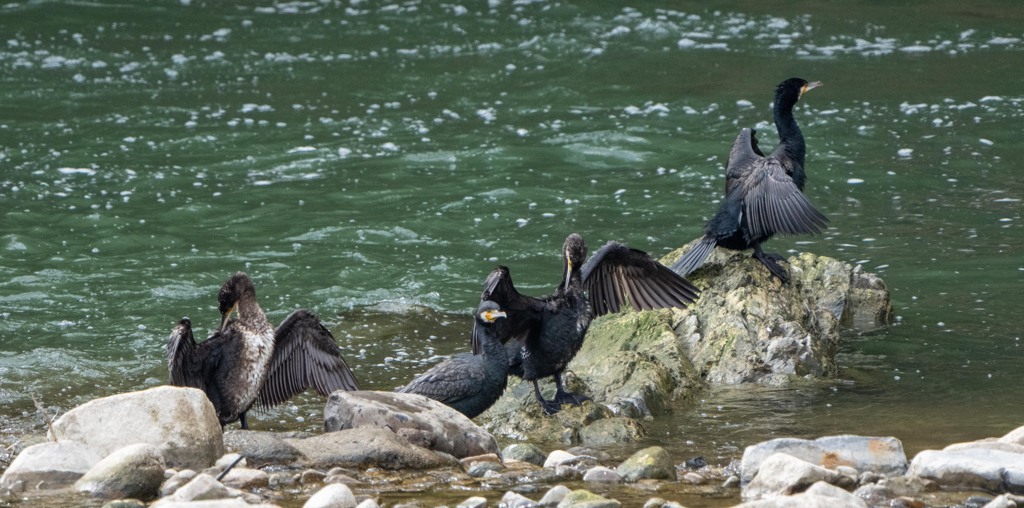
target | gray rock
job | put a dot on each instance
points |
(586, 499)
(514, 500)
(50, 465)
(842, 497)
(554, 495)
(441, 428)
(601, 474)
(614, 430)
(201, 488)
(474, 502)
(1000, 502)
(783, 475)
(260, 448)
(800, 501)
(558, 457)
(367, 447)
(368, 503)
(885, 490)
(181, 422)
(134, 471)
(649, 463)
(481, 468)
(525, 452)
(124, 503)
(213, 503)
(971, 469)
(246, 479)
(1015, 436)
(883, 455)
(988, 444)
(175, 482)
(335, 495)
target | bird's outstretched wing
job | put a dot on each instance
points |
(523, 313)
(617, 274)
(305, 355)
(773, 204)
(183, 364)
(743, 155)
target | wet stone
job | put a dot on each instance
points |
(474, 502)
(515, 500)
(601, 474)
(525, 452)
(555, 495)
(649, 463)
(586, 499)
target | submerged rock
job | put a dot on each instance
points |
(181, 422)
(419, 419)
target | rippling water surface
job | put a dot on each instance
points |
(374, 160)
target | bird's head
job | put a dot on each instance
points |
(232, 291)
(488, 312)
(574, 252)
(794, 88)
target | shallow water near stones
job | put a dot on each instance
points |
(373, 161)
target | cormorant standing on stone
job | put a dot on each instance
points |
(247, 362)
(763, 194)
(469, 383)
(544, 334)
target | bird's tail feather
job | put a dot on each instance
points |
(695, 257)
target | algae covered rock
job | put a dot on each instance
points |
(746, 327)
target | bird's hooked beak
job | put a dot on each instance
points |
(809, 86)
(568, 271)
(224, 318)
(492, 315)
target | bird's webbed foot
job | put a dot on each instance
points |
(565, 397)
(771, 261)
(570, 398)
(549, 407)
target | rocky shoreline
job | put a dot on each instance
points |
(163, 446)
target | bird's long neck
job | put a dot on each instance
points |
(251, 314)
(791, 140)
(493, 349)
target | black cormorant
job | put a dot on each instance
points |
(469, 383)
(247, 362)
(548, 331)
(763, 194)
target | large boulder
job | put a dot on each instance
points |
(422, 420)
(971, 469)
(365, 447)
(262, 448)
(882, 455)
(747, 327)
(135, 471)
(50, 465)
(181, 422)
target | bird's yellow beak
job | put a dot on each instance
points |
(492, 315)
(809, 86)
(568, 271)
(224, 318)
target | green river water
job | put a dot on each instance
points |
(373, 160)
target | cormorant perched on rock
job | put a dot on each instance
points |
(247, 362)
(548, 331)
(469, 383)
(763, 194)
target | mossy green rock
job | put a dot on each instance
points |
(651, 463)
(747, 327)
(586, 499)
